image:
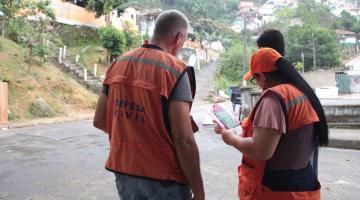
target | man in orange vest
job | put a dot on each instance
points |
(145, 109)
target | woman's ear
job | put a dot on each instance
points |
(262, 76)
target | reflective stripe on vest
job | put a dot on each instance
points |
(151, 62)
(293, 102)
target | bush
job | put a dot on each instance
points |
(41, 51)
(231, 62)
(5, 78)
(133, 40)
(132, 36)
(113, 40)
(16, 30)
(11, 116)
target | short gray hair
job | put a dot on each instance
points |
(169, 23)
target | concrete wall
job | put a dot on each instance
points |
(323, 78)
(3, 102)
(69, 13)
(340, 114)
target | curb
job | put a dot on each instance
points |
(344, 144)
(48, 121)
(333, 142)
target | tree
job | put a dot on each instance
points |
(132, 36)
(300, 39)
(313, 13)
(221, 11)
(36, 42)
(309, 12)
(113, 40)
(347, 21)
(101, 7)
(231, 62)
(150, 3)
(31, 34)
(10, 8)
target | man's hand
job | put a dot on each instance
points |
(100, 121)
(199, 197)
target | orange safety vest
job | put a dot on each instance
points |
(300, 113)
(140, 86)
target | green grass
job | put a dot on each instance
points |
(95, 54)
(45, 81)
(10, 47)
(78, 36)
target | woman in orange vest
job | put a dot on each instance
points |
(281, 135)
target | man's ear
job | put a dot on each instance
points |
(179, 37)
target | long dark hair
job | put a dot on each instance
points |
(272, 38)
(286, 73)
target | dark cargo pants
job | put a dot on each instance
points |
(137, 188)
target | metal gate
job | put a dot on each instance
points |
(347, 84)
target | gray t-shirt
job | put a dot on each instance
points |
(182, 90)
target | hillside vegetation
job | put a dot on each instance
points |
(63, 94)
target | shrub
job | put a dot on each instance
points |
(41, 51)
(17, 30)
(5, 78)
(113, 40)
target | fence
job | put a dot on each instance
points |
(347, 84)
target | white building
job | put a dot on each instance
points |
(268, 10)
(346, 37)
(337, 6)
(354, 64)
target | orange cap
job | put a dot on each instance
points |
(263, 60)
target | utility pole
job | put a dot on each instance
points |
(314, 54)
(303, 62)
(245, 43)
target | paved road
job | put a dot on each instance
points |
(205, 82)
(66, 161)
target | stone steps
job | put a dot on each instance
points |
(92, 83)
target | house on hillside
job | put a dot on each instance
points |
(248, 9)
(247, 16)
(346, 38)
(267, 13)
(337, 6)
(258, 15)
(354, 64)
(146, 21)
